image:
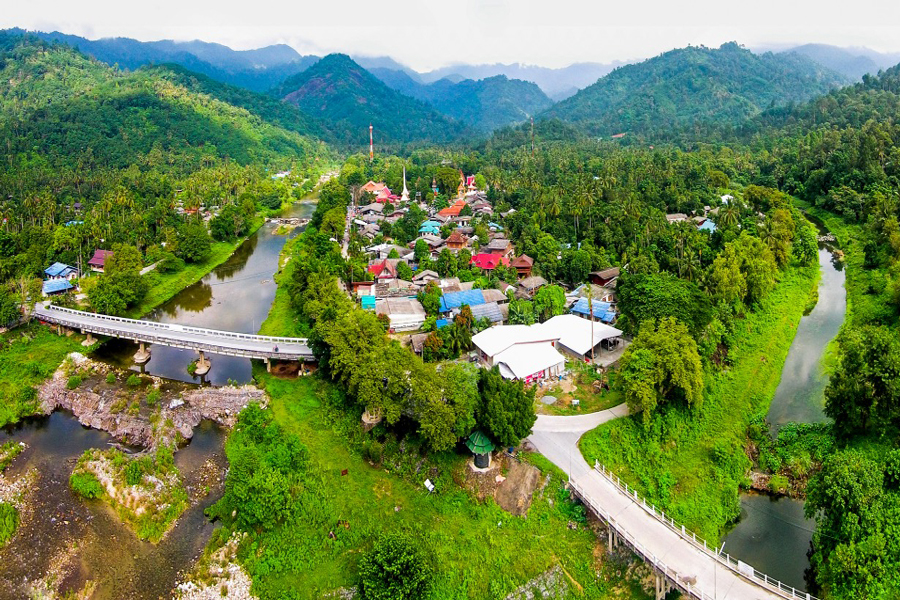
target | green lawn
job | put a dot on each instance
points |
(282, 320)
(168, 284)
(691, 463)
(29, 355)
(480, 551)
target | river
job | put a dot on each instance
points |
(773, 534)
(235, 296)
(64, 530)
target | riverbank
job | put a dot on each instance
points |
(282, 320)
(139, 410)
(166, 285)
(368, 487)
(692, 464)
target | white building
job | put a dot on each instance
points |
(524, 352)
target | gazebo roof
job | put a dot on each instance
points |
(479, 443)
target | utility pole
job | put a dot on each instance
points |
(591, 313)
(371, 144)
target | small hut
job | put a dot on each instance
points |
(481, 447)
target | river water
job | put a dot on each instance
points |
(773, 534)
(235, 296)
(63, 529)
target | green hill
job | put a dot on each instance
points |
(65, 105)
(694, 85)
(485, 104)
(347, 98)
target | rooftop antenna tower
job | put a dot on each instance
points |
(371, 144)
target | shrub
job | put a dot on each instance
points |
(133, 381)
(134, 472)
(9, 520)
(779, 484)
(111, 378)
(394, 569)
(153, 397)
(86, 485)
(73, 382)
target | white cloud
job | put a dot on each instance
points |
(427, 34)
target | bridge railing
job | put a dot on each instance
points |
(683, 583)
(175, 328)
(737, 566)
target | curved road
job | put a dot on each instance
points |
(557, 438)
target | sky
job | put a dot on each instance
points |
(427, 34)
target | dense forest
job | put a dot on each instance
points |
(98, 158)
(694, 85)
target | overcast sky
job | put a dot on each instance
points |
(427, 34)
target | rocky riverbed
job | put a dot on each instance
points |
(143, 410)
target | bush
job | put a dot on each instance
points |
(779, 484)
(153, 397)
(111, 378)
(9, 520)
(133, 381)
(394, 569)
(73, 382)
(86, 485)
(134, 472)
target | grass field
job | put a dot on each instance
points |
(692, 463)
(282, 320)
(29, 355)
(480, 551)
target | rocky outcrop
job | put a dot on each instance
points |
(218, 577)
(101, 406)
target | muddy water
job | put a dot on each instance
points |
(86, 539)
(235, 296)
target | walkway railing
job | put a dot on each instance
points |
(739, 567)
(208, 340)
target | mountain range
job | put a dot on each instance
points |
(695, 85)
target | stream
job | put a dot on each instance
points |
(59, 529)
(773, 534)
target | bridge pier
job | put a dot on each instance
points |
(268, 365)
(142, 355)
(203, 365)
(89, 340)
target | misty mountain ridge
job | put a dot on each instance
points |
(695, 85)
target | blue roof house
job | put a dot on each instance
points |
(600, 310)
(452, 300)
(56, 286)
(60, 270)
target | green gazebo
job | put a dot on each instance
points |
(481, 447)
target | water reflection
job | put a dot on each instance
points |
(103, 549)
(800, 393)
(235, 296)
(774, 536)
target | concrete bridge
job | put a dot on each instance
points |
(680, 559)
(204, 341)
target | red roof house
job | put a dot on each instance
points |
(489, 262)
(98, 261)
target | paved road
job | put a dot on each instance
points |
(178, 336)
(557, 439)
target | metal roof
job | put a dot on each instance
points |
(456, 299)
(58, 269)
(478, 443)
(491, 310)
(601, 310)
(59, 285)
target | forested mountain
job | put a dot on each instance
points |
(259, 70)
(485, 104)
(694, 85)
(848, 63)
(348, 98)
(69, 107)
(556, 83)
